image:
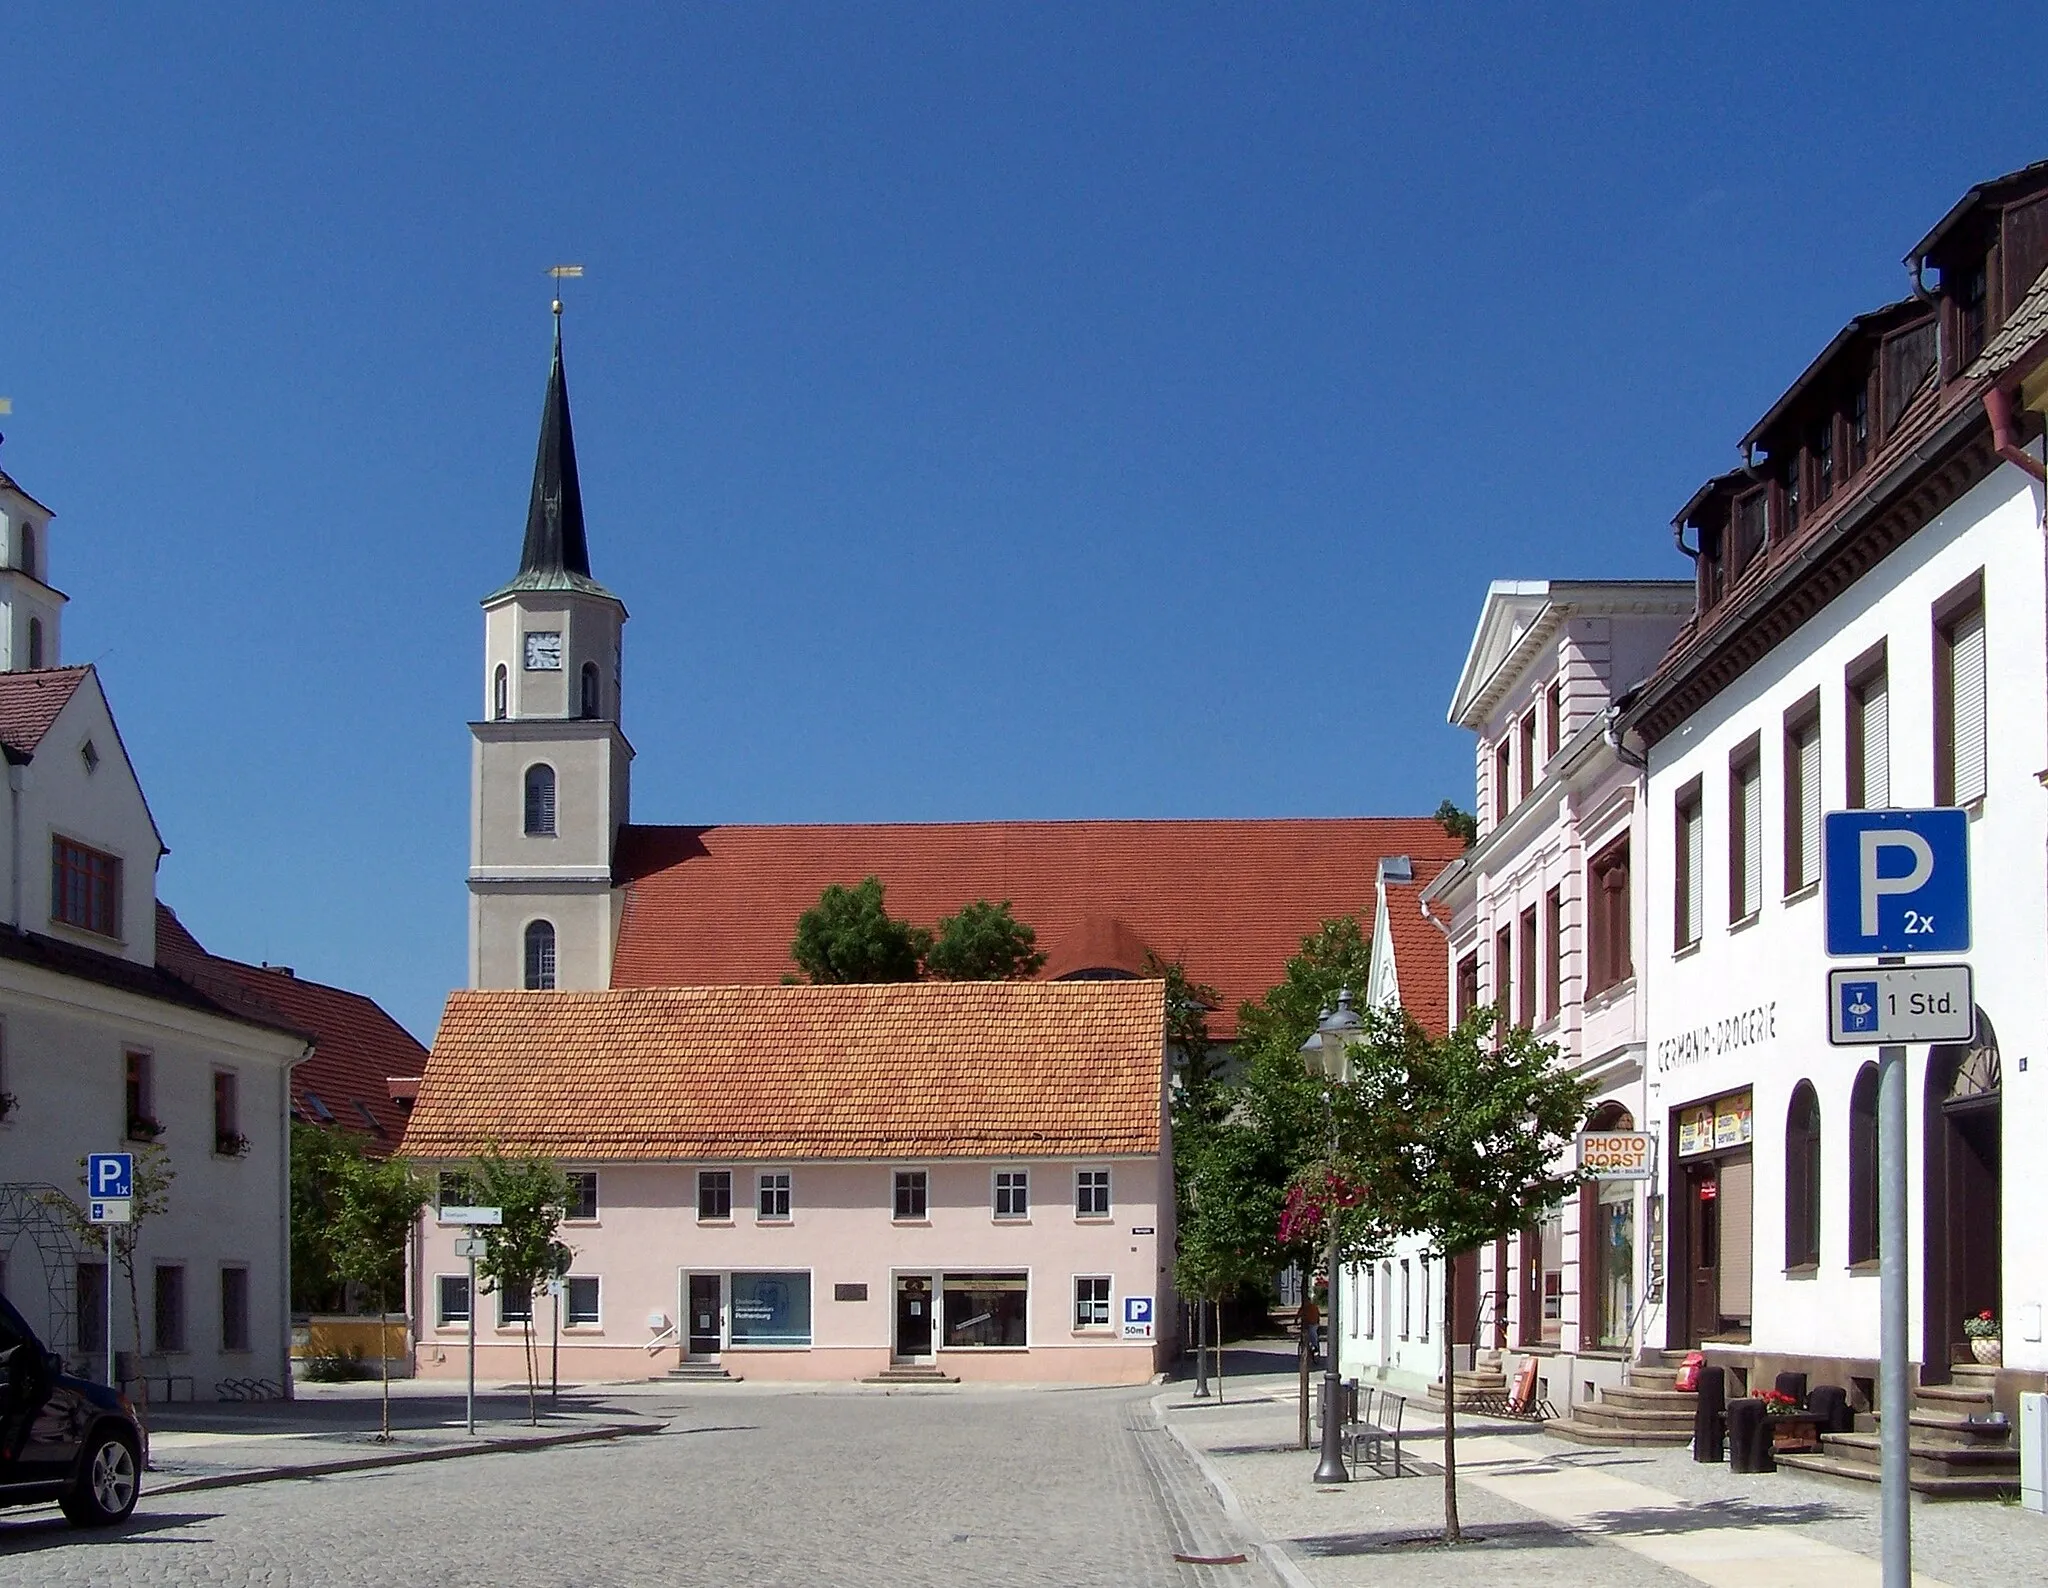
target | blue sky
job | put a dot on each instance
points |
(984, 411)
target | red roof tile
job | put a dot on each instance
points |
(890, 1070)
(1232, 899)
(1421, 952)
(357, 1047)
(29, 703)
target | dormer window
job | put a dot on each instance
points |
(1859, 428)
(1823, 445)
(1971, 293)
(1788, 495)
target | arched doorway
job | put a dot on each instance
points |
(1607, 1249)
(1962, 1204)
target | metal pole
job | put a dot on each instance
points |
(112, 1382)
(1201, 1349)
(1331, 1469)
(470, 1401)
(555, 1354)
(1896, 1428)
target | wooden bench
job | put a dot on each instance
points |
(1378, 1425)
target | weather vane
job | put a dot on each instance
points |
(563, 273)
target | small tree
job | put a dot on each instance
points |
(849, 936)
(523, 1250)
(984, 942)
(376, 1205)
(1458, 822)
(152, 1196)
(1229, 1204)
(1459, 1140)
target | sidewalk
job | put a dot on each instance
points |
(1568, 1514)
(334, 1428)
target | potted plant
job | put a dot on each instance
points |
(1777, 1403)
(1985, 1344)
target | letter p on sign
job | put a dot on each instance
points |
(1898, 882)
(1875, 885)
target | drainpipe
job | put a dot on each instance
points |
(1612, 734)
(1998, 408)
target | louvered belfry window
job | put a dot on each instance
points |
(540, 801)
(1959, 703)
(1870, 755)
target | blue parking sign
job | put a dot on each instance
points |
(1859, 1005)
(110, 1176)
(1898, 882)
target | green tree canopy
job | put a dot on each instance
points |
(375, 1204)
(1276, 1091)
(849, 936)
(523, 1250)
(983, 942)
(1458, 822)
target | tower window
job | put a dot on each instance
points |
(500, 686)
(28, 548)
(540, 956)
(35, 641)
(590, 689)
(540, 802)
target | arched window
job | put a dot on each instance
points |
(1863, 1245)
(1802, 1178)
(35, 642)
(500, 685)
(28, 548)
(590, 689)
(540, 802)
(540, 956)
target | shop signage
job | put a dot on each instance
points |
(1748, 1028)
(1142, 1229)
(1615, 1154)
(1897, 1003)
(1715, 1126)
(472, 1215)
(1137, 1317)
(1898, 882)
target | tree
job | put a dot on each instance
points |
(849, 936)
(1458, 823)
(1198, 1099)
(320, 1157)
(152, 1196)
(524, 1249)
(376, 1204)
(1229, 1206)
(984, 942)
(1459, 1139)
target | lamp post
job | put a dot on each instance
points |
(1323, 1056)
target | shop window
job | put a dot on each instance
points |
(1869, 717)
(1609, 959)
(1549, 1276)
(582, 1203)
(771, 1309)
(580, 1303)
(911, 1189)
(1091, 1301)
(1959, 698)
(714, 1195)
(985, 1309)
(1802, 1178)
(234, 1309)
(1802, 795)
(1745, 832)
(1863, 1227)
(1091, 1194)
(1689, 868)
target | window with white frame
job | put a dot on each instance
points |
(582, 1203)
(1091, 1301)
(913, 1188)
(1013, 1193)
(1091, 1194)
(451, 1299)
(580, 1308)
(773, 1203)
(515, 1308)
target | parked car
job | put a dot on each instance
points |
(63, 1438)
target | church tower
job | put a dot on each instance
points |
(549, 769)
(30, 609)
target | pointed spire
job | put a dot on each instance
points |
(554, 516)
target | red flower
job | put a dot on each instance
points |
(1985, 1315)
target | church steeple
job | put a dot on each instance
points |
(554, 516)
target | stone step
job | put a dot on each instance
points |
(911, 1375)
(1961, 1397)
(1664, 1378)
(1928, 1459)
(1947, 1429)
(1587, 1433)
(1603, 1414)
(1651, 1400)
(702, 1372)
(1935, 1488)
(1974, 1374)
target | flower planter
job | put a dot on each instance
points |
(1991, 1353)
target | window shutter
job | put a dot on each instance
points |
(1695, 871)
(1752, 838)
(1809, 805)
(1877, 776)
(1967, 709)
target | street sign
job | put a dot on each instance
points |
(1137, 1317)
(110, 1175)
(472, 1215)
(109, 1210)
(1616, 1154)
(1881, 1004)
(1898, 882)
(470, 1246)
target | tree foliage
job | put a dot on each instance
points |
(320, 1158)
(1458, 822)
(849, 936)
(983, 942)
(376, 1203)
(1276, 1091)
(525, 1249)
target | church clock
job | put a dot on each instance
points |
(543, 651)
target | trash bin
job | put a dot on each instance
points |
(1749, 1437)
(1709, 1423)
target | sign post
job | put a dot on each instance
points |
(1898, 883)
(472, 1247)
(110, 1191)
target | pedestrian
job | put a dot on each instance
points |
(1311, 1324)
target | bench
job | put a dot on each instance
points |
(1378, 1425)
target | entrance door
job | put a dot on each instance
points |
(913, 1317)
(1963, 1198)
(707, 1301)
(1702, 1252)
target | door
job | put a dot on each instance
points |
(1703, 1252)
(913, 1317)
(707, 1303)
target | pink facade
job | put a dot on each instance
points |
(841, 1288)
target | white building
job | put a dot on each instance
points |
(102, 1050)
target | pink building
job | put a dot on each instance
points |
(967, 1179)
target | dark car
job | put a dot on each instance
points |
(63, 1438)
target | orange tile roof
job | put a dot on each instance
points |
(1232, 899)
(1421, 953)
(357, 1047)
(895, 1070)
(29, 703)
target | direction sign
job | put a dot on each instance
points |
(109, 1174)
(472, 1215)
(1137, 1317)
(1898, 882)
(1882, 1004)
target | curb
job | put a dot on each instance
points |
(403, 1458)
(1271, 1550)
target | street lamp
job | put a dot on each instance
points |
(1323, 1057)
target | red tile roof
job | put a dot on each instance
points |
(892, 1070)
(357, 1047)
(1421, 953)
(29, 703)
(1232, 899)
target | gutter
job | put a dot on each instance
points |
(2004, 437)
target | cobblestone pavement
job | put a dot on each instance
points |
(1057, 1487)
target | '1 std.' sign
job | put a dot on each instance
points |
(1615, 1154)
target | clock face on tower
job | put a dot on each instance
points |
(543, 651)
